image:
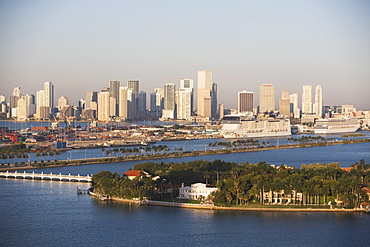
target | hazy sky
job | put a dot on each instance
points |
(81, 45)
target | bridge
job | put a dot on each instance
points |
(46, 176)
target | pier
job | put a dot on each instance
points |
(46, 176)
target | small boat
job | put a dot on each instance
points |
(104, 198)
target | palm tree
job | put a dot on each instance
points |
(37, 154)
(45, 153)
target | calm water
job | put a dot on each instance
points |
(44, 213)
(346, 155)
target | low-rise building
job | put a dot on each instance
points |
(195, 191)
(281, 197)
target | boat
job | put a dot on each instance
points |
(256, 128)
(333, 125)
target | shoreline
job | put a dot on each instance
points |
(211, 207)
(89, 161)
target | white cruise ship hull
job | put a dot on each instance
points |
(256, 129)
(333, 126)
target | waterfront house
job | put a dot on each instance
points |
(195, 191)
(280, 197)
(131, 174)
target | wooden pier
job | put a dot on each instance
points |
(46, 176)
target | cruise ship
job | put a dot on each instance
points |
(331, 126)
(256, 128)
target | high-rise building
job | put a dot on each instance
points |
(169, 96)
(214, 105)
(17, 92)
(245, 101)
(294, 105)
(267, 98)
(307, 99)
(183, 101)
(45, 101)
(3, 106)
(284, 104)
(114, 93)
(318, 102)
(13, 100)
(156, 102)
(204, 108)
(26, 106)
(49, 94)
(142, 101)
(169, 101)
(103, 106)
(133, 85)
(91, 100)
(142, 105)
(62, 102)
(123, 109)
(188, 83)
(222, 111)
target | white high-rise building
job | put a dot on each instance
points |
(188, 83)
(26, 106)
(45, 101)
(204, 108)
(62, 102)
(294, 103)
(49, 94)
(17, 92)
(307, 99)
(183, 101)
(103, 106)
(267, 98)
(317, 108)
(122, 104)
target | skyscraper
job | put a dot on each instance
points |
(123, 109)
(284, 103)
(133, 85)
(49, 94)
(62, 102)
(169, 101)
(294, 104)
(142, 105)
(214, 105)
(183, 101)
(91, 100)
(114, 93)
(307, 99)
(13, 100)
(318, 101)
(188, 83)
(267, 98)
(245, 101)
(204, 93)
(45, 101)
(103, 106)
(26, 106)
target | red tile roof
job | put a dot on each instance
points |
(132, 173)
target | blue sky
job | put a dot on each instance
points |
(82, 45)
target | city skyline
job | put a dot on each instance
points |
(245, 44)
